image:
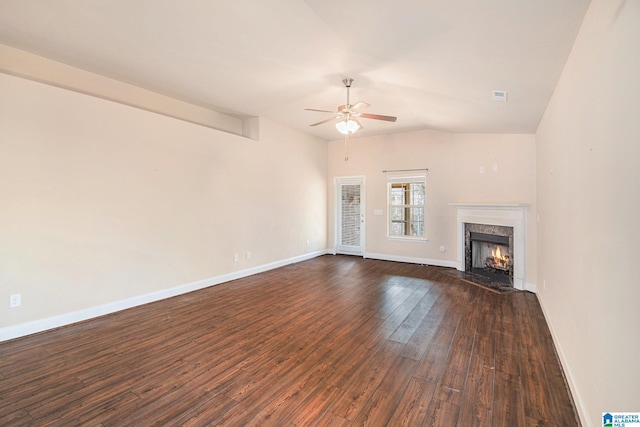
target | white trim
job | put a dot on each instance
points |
(573, 387)
(509, 215)
(407, 178)
(408, 239)
(412, 260)
(491, 206)
(402, 177)
(40, 325)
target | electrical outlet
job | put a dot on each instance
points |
(248, 255)
(236, 258)
(308, 243)
(442, 249)
(15, 300)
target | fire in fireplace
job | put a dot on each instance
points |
(498, 260)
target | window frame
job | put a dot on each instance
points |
(406, 180)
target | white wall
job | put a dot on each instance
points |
(454, 162)
(101, 202)
(588, 154)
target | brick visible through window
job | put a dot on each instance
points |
(350, 215)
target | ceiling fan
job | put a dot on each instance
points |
(347, 117)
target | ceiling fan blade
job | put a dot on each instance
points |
(320, 111)
(360, 105)
(324, 121)
(378, 117)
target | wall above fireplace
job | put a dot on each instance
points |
(508, 215)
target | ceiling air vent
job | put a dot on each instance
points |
(499, 95)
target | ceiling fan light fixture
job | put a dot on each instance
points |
(347, 126)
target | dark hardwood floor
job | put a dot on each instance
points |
(334, 341)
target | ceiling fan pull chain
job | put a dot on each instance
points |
(346, 148)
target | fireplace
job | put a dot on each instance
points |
(488, 252)
(494, 226)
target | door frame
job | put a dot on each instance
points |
(337, 213)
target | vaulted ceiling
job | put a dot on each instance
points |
(431, 63)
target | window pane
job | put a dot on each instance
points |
(417, 221)
(417, 214)
(396, 229)
(417, 194)
(417, 228)
(396, 213)
(397, 195)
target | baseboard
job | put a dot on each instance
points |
(41, 325)
(412, 260)
(575, 394)
(531, 287)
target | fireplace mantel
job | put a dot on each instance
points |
(505, 214)
(497, 206)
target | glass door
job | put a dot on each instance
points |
(350, 216)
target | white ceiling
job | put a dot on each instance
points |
(431, 63)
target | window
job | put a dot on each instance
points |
(406, 196)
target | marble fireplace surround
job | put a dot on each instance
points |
(508, 215)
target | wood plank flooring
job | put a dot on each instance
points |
(334, 341)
